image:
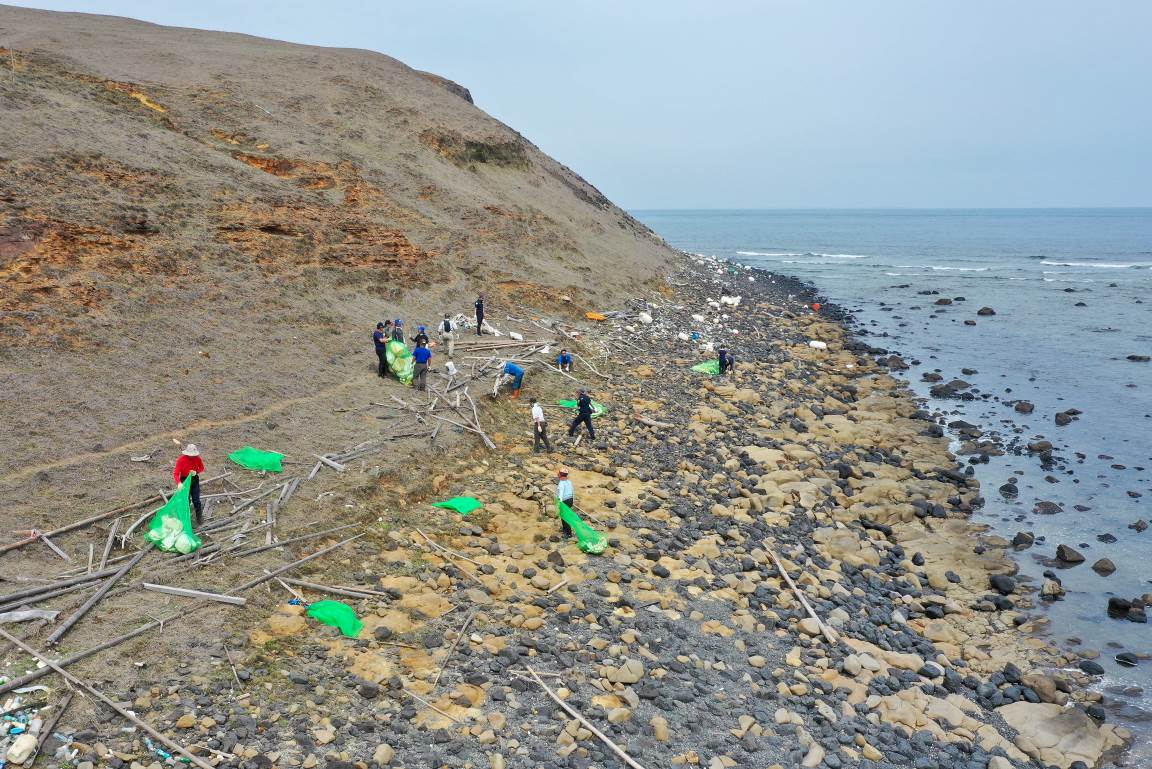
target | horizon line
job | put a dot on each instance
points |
(897, 208)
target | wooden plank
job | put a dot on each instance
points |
(189, 593)
(333, 464)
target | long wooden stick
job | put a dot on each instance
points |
(108, 544)
(452, 649)
(104, 698)
(428, 705)
(585, 722)
(53, 586)
(334, 590)
(59, 632)
(189, 593)
(828, 632)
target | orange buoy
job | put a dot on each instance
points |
(815, 307)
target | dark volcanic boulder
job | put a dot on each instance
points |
(1104, 567)
(1066, 554)
(1024, 407)
(1044, 507)
(985, 311)
(1002, 584)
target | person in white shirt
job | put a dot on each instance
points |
(447, 331)
(566, 494)
(539, 428)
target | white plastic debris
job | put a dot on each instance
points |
(818, 345)
(645, 318)
(731, 301)
(714, 304)
(516, 335)
(698, 318)
(22, 748)
(682, 337)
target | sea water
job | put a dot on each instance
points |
(1072, 293)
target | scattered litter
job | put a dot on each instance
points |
(645, 318)
(698, 318)
(595, 316)
(817, 345)
(462, 505)
(588, 539)
(255, 459)
(682, 337)
(337, 614)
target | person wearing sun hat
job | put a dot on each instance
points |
(566, 494)
(189, 463)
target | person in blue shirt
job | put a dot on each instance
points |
(398, 330)
(422, 356)
(380, 341)
(421, 338)
(564, 360)
(517, 374)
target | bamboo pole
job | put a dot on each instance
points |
(585, 722)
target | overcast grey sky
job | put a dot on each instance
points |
(774, 104)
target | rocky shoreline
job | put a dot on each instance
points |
(683, 643)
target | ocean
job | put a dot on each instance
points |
(1072, 294)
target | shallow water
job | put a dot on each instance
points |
(1032, 267)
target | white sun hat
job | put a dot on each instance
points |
(191, 451)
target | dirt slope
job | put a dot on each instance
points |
(198, 225)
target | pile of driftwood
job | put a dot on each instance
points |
(233, 517)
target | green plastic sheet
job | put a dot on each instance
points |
(462, 505)
(588, 539)
(400, 361)
(171, 526)
(337, 614)
(708, 367)
(597, 407)
(255, 459)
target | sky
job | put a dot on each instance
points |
(776, 103)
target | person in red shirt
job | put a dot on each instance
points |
(190, 463)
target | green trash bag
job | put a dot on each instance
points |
(597, 407)
(171, 526)
(255, 459)
(462, 505)
(708, 367)
(337, 614)
(589, 540)
(400, 361)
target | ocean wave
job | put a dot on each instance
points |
(806, 253)
(1101, 265)
(954, 269)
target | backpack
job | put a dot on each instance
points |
(446, 327)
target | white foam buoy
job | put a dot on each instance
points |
(682, 337)
(818, 345)
(698, 318)
(645, 318)
(516, 335)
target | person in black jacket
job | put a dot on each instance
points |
(583, 414)
(479, 314)
(421, 338)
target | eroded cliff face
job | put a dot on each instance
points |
(135, 159)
